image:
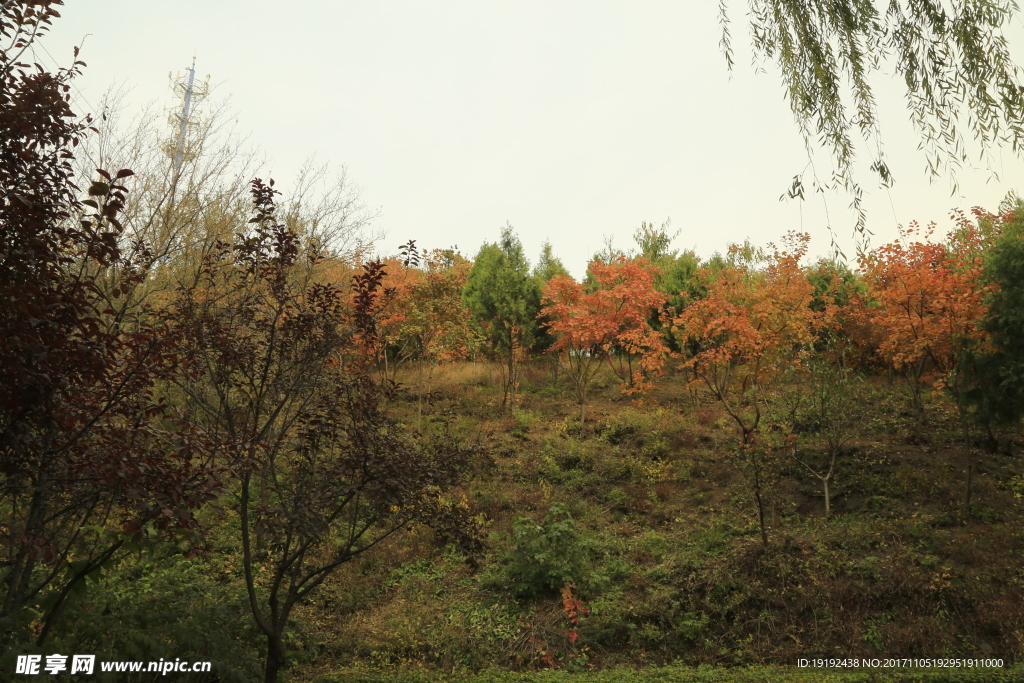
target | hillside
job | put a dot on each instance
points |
(647, 513)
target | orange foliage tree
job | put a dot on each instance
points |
(925, 302)
(589, 327)
(748, 329)
(425, 318)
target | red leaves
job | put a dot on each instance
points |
(592, 326)
(573, 606)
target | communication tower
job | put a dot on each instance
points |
(191, 93)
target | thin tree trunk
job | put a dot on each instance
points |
(757, 495)
(828, 496)
(760, 515)
(511, 394)
(18, 579)
(419, 402)
(965, 512)
(261, 536)
(834, 452)
(917, 399)
(583, 402)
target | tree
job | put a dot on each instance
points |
(747, 330)
(998, 393)
(653, 243)
(280, 368)
(590, 326)
(426, 319)
(610, 253)
(91, 458)
(675, 277)
(837, 289)
(505, 301)
(181, 213)
(926, 302)
(954, 61)
(833, 390)
(988, 382)
(548, 267)
(396, 346)
(748, 327)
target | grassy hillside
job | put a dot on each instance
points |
(631, 543)
(648, 512)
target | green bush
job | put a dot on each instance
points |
(626, 428)
(524, 421)
(548, 555)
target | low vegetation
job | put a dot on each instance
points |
(254, 447)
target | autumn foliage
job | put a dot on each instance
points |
(749, 327)
(425, 317)
(238, 399)
(594, 325)
(925, 303)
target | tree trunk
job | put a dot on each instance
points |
(760, 515)
(508, 396)
(917, 398)
(828, 497)
(760, 501)
(275, 659)
(261, 536)
(965, 512)
(510, 390)
(419, 402)
(18, 578)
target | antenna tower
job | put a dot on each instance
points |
(192, 94)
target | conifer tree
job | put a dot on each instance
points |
(504, 299)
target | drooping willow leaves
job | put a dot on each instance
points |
(953, 58)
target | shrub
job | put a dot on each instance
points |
(627, 427)
(167, 605)
(548, 555)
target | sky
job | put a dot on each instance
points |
(573, 121)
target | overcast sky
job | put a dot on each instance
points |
(570, 120)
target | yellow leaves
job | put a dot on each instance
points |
(425, 316)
